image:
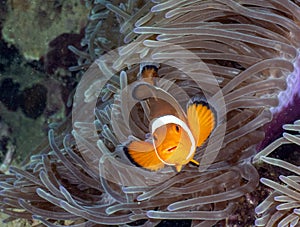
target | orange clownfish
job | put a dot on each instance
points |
(149, 72)
(175, 135)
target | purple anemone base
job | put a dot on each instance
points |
(288, 109)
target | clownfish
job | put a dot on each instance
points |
(175, 135)
(148, 72)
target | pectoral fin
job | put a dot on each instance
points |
(142, 154)
(201, 120)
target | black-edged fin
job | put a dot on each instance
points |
(142, 154)
(201, 119)
(198, 99)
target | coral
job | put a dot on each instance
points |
(27, 109)
(34, 101)
(7, 145)
(10, 94)
(8, 55)
(47, 20)
(59, 47)
(3, 12)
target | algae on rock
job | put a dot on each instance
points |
(48, 19)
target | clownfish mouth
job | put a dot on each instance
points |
(172, 148)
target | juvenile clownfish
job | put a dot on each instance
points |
(175, 136)
(148, 72)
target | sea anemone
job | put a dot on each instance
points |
(282, 206)
(238, 55)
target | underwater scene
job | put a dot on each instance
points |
(150, 113)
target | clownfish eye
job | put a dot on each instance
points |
(155, 137)
(177, 128)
